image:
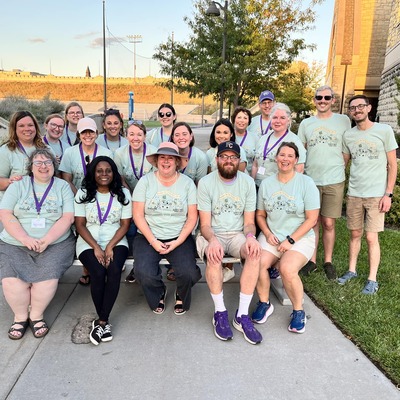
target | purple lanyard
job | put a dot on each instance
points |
(268, 127)
(162, 135)
(244, 138)
(66, 132)
(83, 157)
(133, 162)
(119, 141)
(103, 218)
(59, 141)
(38, 204)
(274, 145)
(22, 149)
(190, 155)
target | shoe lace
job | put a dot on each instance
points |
(107, 329)
(246, 323)
(297, 317)
(222, 319)
(99, 331)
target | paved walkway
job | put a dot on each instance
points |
(170, 357)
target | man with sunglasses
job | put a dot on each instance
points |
(226, 200)
(322, 136)
(372, 149)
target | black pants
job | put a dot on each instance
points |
(105, 282)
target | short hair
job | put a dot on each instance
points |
(226, 122)
(325, 87)
(12, 142)
(239, 110)
(51, 116)
(283, 107)
(40, 152)
(291, 145)
(70, 105)
(187, 126)
(138, 124)
(359, 96)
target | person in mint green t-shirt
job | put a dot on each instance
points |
(113, 124)
(371, 147)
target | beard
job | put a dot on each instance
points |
(225, 173)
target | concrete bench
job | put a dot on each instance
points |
(276, 284)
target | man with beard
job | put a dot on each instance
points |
(372, 149)
(226, 203)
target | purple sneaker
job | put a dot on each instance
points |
(274, 273)
(222, 329)
(245, 325)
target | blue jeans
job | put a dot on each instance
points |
(148, 271)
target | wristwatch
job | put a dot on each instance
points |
(290, 240)
(389, 194)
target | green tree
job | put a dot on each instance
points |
(263, 38)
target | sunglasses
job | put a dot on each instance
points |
(112, 111)
(327, 98)
(167, 114)
(135, 122)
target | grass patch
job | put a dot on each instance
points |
(371, 322)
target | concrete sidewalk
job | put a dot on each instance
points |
(178, 357)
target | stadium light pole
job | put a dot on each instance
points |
(104, 56)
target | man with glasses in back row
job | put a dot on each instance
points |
(372, 149)
(322, 137)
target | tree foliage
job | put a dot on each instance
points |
(263, 38)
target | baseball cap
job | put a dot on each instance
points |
(228, 146)
(86, 124)
(266, 95)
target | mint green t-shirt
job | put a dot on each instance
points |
(257, 124)
(368, 170)
(156, 136)
(249, 144)
(123, 161)
(267, 166)
(226, 201)
(111, 145)
(105, 232)
(212, 153)
(19, 198)
(197, 165)
(166, 207)
(286, 204)
(324, 162)
(71, 162)
(58, 148)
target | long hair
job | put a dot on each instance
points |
(116, 113)
(90, 185)
(225, 122)
(187, 126)
(69, 105)
(12, 142)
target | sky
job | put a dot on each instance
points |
(64, 37)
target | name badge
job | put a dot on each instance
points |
(38, 223)
(261, 170)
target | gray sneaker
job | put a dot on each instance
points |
(371, 287)
(346, 277)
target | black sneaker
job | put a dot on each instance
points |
(107, 334)
(330, 271)
(130, 278)
(96, 332)
(308, 268)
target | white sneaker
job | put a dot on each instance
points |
(228, 274)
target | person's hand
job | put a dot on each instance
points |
(384, 204)
(253, 248)
(159, 246)
(172, 245)
(272, 239)
(99, 254)
(14, 178)
(284, 246)
(108, 255)
(215, 251)
(31, 243)
(43, 244)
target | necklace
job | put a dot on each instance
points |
(173, 179)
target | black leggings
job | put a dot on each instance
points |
(105, 282)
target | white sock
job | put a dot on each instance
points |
(218, 300)
(244, 304)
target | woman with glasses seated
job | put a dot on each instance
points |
(75, 160)
(54, 126)
(113, 125)
(36, 245)
(132, 165)
(73, 113)
(167, 116)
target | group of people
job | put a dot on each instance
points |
(260, 194)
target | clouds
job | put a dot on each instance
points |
(86, 35)
(37, 40)
(98, 42)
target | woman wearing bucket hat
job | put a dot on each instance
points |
(165, 213)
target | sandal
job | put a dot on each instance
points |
(35, 329)
(84, 280)
(161, 304)
(22, 330)
(178, 308)
(171, 275)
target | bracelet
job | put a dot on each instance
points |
(154, 240)
(250, 235)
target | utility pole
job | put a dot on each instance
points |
(134, 39)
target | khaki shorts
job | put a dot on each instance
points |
(361, 210)
(331, 198)
(231, 243)
(305, 246)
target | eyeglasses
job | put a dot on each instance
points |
(74, 113)
(41, 163)
(55, 126)
(167, 114)
(224, 157)
(327, 98)
(357, 107)
(87, 133)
